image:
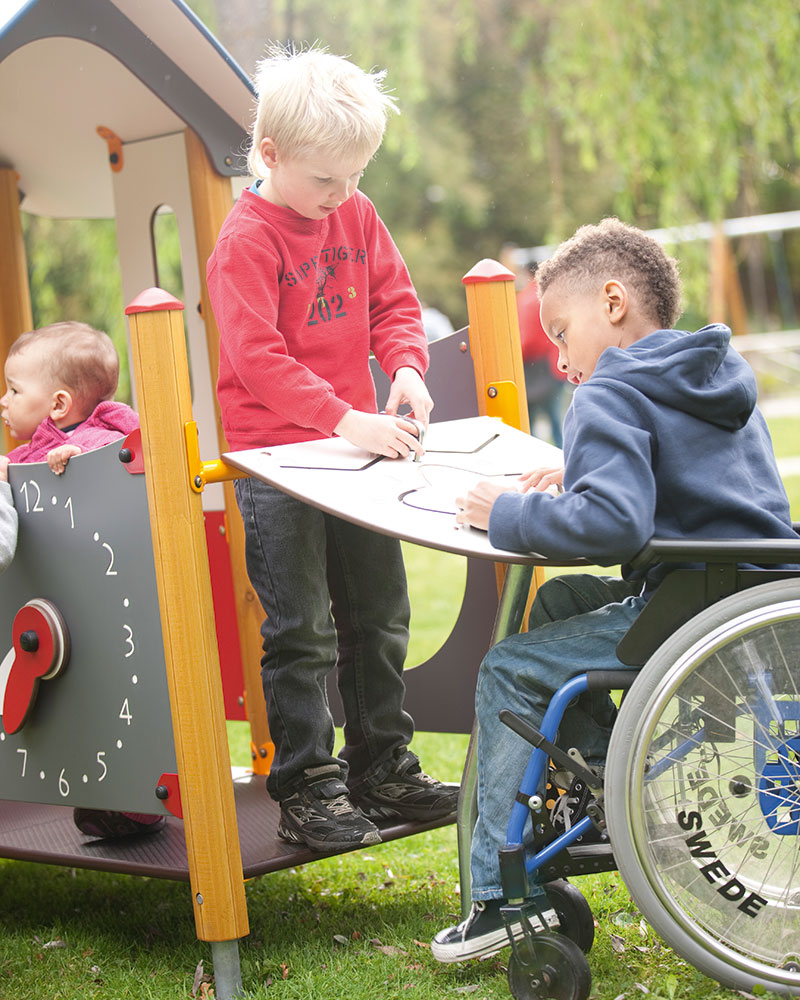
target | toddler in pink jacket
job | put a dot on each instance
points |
(60, 383)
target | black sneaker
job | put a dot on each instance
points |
(321, 815)
(408, 793)
(483, 933)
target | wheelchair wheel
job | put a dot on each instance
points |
(703, 790)
(551, 967)
(574, 913)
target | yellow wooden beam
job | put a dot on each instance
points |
(187, 619)
(497, 356)
(15, 296)
(211, 201)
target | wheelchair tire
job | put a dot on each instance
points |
(550, 968)
(574, 913)
(703, 790)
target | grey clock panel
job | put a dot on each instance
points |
(99, 733)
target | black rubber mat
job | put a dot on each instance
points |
(32, 832)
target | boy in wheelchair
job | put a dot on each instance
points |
(663, 438)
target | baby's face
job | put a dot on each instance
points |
(29, 394)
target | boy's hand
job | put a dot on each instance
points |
(408, 387)
(4, 463)
(380, 433)
(476, 506)
(57, 458)
(542, 479)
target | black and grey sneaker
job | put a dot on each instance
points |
(408, 793)
(321, 815)
(483, 933)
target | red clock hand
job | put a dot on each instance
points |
(41, 650)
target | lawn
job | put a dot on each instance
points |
(355, 927)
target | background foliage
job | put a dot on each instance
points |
(522, 119)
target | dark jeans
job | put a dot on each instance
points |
(334, 596)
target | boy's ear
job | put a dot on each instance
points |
(61, 405)
(616, 300)
(269, 154)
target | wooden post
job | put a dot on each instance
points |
(187, 619)
(15, 296)
(495, 343)
(211, 202)
(497, 355)
(726, 297)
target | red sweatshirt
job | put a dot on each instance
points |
(300, 303)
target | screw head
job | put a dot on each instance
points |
(29, 641)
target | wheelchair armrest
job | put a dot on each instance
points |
(760, 551)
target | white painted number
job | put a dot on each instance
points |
(110, 571)
(36, 506)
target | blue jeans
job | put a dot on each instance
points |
(334, 595)
(575, 624)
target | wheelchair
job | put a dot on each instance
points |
(699, 804)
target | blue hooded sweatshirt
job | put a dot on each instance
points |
(663, 440)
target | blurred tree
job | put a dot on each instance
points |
(74, 274)
(520, 120)
(524, 118)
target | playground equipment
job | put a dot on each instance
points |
(133, 716)
(147, 110)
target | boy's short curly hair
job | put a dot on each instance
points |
(312, 101)
(77, 357)
(613, 249)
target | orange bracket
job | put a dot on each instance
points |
(114, 142)
(201, 472)
(262, 757)
(502, 400)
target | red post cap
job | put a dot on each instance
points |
(487, 270)
(153, 300)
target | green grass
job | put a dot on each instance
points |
(355, 927)
(785, 433)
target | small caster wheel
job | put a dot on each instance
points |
(574, 913)
(550, 967)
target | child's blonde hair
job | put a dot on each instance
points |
(77, 357)
(313, 101)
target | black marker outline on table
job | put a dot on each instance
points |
(451, 513)
(379, 458)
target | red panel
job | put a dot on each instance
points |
(169, 791)
(230, 654)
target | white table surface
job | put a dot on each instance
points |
(411, 500)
